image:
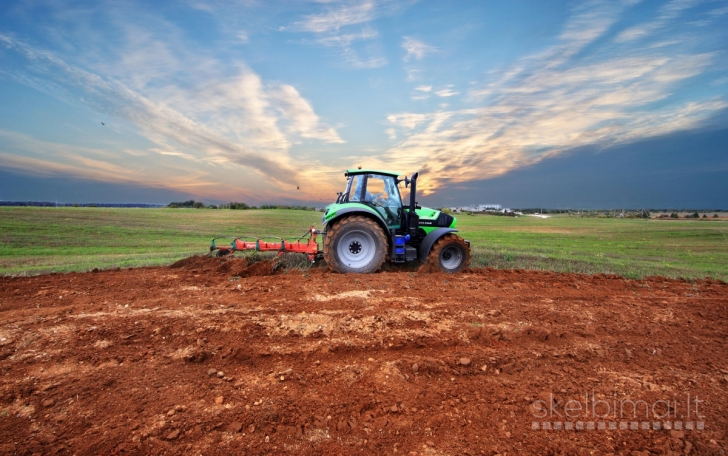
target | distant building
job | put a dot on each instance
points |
(477, 208)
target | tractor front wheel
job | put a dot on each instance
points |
(450, 254)
(355, 244)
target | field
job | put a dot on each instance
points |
(214, 356)
(41, 240)
(632, 248)
(243, 356)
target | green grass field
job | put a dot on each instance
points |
(41, 240)
(632, 248)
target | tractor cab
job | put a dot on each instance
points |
(377, 190)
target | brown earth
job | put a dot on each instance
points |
(212, 357)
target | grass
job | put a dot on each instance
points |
(631, 248)
(41, 240)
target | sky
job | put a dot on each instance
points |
(562, 104)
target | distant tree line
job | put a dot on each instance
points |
(192, 204)
(54, 204)
(694, 215)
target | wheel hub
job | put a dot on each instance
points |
(451, 257)
(355, 247)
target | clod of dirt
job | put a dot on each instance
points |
(235, 427)
(219, 400)
(464, 361)
(196, 357)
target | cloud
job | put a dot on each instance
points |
(243, 37)
(556, 101)
(446, 92)
(667, 13)
(338, 16)
(719, 11)
(304, 120)
(424, 88)
(416, 49)
(239, 121)
(344, 40)
(346, 25)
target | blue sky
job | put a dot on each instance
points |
(247, 100)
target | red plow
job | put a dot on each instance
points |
(309, 247)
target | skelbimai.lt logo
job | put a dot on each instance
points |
(593, 412)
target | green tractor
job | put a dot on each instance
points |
(368, 225)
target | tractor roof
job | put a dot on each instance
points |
(351, 172)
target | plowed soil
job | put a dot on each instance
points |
(211, 356)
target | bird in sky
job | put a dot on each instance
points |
(103, 123)
(298, 188)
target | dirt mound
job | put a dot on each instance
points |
(205, 263)
(217, 356)
(197, 261)
(260, 269)
(231, 266)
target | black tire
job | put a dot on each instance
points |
(222, 253)
(355, 244)
(450, 254)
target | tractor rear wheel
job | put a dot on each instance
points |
(355, 244)
(450, 254)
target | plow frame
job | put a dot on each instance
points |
(253, 243)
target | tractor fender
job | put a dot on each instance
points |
(365, 212)
(430, 240)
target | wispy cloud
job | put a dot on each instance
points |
(446, 92)
(416, 49)
(347, 24)
(337, 16)
(243, 37)
(667, 13)
(556, 101)
(304, 120)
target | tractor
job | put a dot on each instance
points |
(369, 225)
